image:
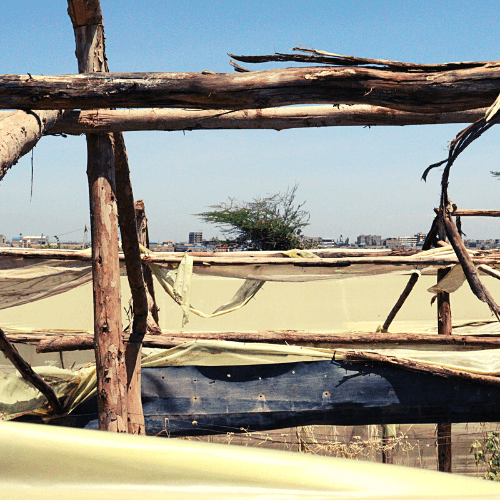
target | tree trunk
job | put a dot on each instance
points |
(422, 92)
(110, 359)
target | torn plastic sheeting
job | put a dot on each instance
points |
(451, 282)
(81, 385)
(180, 289)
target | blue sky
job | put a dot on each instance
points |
(354, 180)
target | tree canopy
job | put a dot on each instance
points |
(272, 222)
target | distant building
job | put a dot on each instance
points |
(189, 247)
(369, 240)
(196, 238)
(2, 240)
(29, 241)
(392, 242)
(17, 241)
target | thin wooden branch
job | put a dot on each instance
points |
(54, 343)
(323, 57)
(362, 356)
(20, 132)
(425, 92)
(490, 271)
(143, 235)
(399, 304)
(28, 374)
(105, 120)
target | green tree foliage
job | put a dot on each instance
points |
(273, 222)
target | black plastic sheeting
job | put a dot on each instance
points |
(197, 400)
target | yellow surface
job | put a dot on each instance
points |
(43, 462)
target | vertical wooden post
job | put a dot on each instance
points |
(130, 243)
(444, 328)
(143, 234)
(388, 434)
(86, 17)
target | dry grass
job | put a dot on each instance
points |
(412, 445)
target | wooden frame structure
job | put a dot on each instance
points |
(450, 93)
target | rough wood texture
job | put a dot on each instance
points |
(425, 92)
(443, 307)
(104, 120)
(473, 213)
(444, 447)
(54, 343)
(143, 235)
(322, 57)
(132, 253)
(19, 133)
(420, 367)
(109, 349)
(233, 259)
(12, 354)
(467, 263)
(399, 304)
(445, 327)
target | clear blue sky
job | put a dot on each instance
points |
(354, 180)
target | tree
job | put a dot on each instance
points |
(272, 222)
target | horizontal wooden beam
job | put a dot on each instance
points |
(473, 213)
(233, 259)
(54, 343)
(126, 120)
(422, 92)
(19, 133)
(414, 366)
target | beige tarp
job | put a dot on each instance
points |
(21, 285)
(53, 463)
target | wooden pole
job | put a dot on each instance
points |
(420, 92)
(110, 120)
(130, 243)
(20, 131)
(472, 213)
(399, 304)
(444, 328)
(388, 435)
(12, 354)
(54, 343)
(86, 17)
(143, 234)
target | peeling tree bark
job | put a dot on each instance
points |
(424, 92)
(20, 131)
(110, 357)
(105, 120)
(133, 264)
